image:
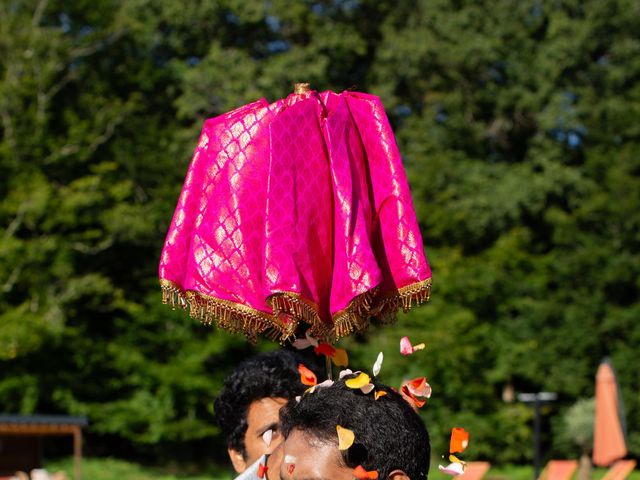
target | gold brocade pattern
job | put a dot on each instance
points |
(291, 309)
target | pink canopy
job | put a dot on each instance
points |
(292, 213)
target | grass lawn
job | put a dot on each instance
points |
(517, 472)
(112, 469)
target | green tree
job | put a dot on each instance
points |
(518, 121)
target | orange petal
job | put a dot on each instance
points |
(459, 440)
(340, 357)
(379, 393)
(418, 403)
(345, 437)
(262, 469)
(307, 377)
(358, 382)
(361, 474)
(324, 349)
(419, 387)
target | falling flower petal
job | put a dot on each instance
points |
(310, 339)
(410, 396)
(405, 346)
(379, 393)
(340, 357)
(378, 365)
(307, 377)
(454, 459)
(344, 373)
(325, 349)
(407, 349)
(454, 469)
(298, 398)
(417, 390)
(367, 388)
(262, 470)
(459, 440)
(358, 382)
(301, 343)
(419, 387)
(361, 474)
(326, 383)
(267, 436)
(345, 437)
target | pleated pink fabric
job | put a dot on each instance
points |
(296, 213)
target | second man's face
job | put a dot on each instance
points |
(262, 416)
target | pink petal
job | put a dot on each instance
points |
(405, 346)
(367, 388)
(301, 343)
(378, 365)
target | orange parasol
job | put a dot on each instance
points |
(608, 437)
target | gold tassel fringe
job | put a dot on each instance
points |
(355, 317)
(290, 308)
(404, 298)
(230, 316)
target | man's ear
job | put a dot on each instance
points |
(398, 475)
(237, 459)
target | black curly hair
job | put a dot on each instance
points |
(389, 433)
(266, 375)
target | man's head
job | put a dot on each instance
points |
(250, 402)
(389, 436)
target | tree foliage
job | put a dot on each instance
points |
(518, 121)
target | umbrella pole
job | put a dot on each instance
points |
(327, 361)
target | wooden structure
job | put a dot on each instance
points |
(620, 470)
(559, 470)
(21, 435)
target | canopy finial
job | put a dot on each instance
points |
(300, 88)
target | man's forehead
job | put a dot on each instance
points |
(264, 411)
(312, 456)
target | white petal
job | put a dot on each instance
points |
(326, 383)
(344, 373)
(378, 365)
(452, 469)
(267, 436)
